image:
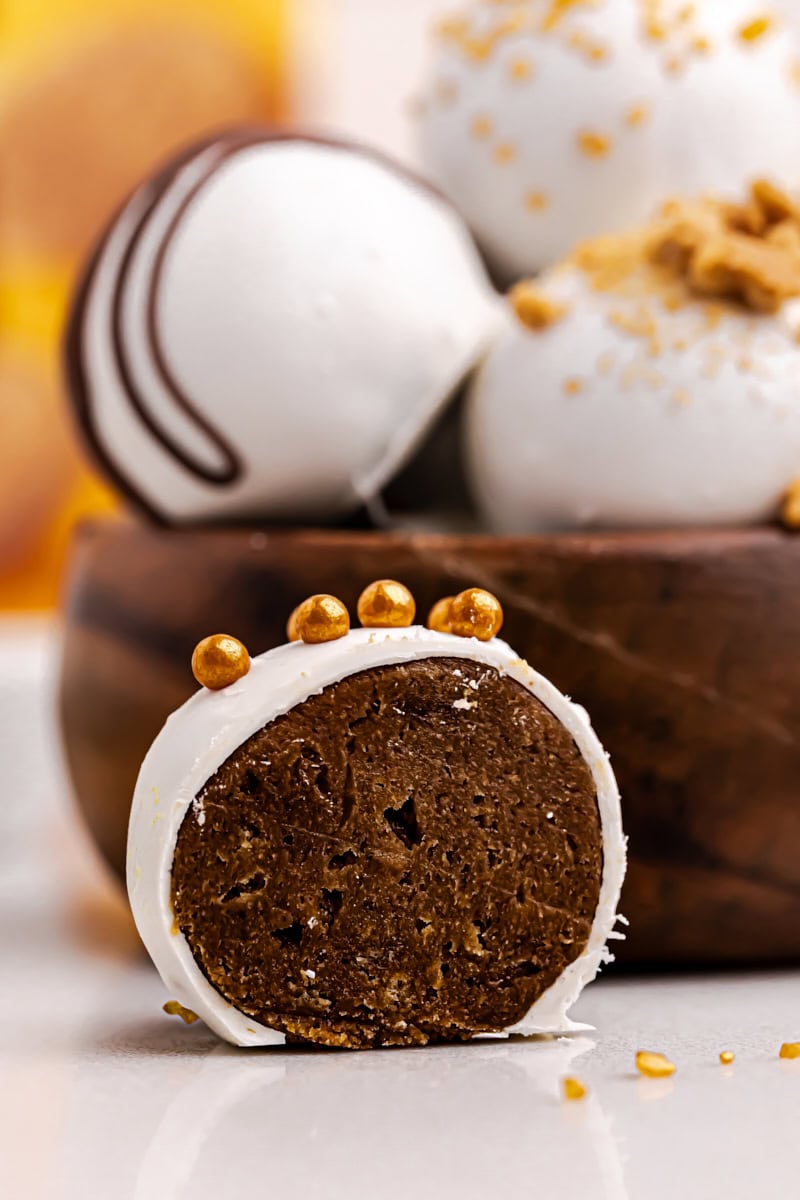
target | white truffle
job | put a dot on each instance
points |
(201, 735)
(269, 328)
(547, 122)
(629, 412)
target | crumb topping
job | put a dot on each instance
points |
(747, 254)
(533, 307)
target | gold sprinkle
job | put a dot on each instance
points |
(726, 1057)
(504, 153)
(593, 144)
(573, 1089)
(572, 387)
(637, 115)
(482, 127)
(174, 1009)
(790, 1050)
(476, 613)
(386, 604)
(175, 927)
(701, 45)
(322, 618)
(533, 307)
(605, 363)
(755, 29)
(520, 69)
(439, 616)
(219, 661)
(790, 507)
(536, 201)
(681, 397)
(653, 1065)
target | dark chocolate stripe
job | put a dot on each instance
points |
(232, 468)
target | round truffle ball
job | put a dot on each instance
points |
(269, 328)
(548, 123)
(618, 396)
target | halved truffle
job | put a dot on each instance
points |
(405, 837)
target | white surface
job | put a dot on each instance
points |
(103, 1097)
(204, 732)
(719, 120)
(317, 307)
(705, 432)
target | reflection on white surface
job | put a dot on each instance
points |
(328, 1124)
(103, 1097)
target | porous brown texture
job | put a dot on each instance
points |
(412, 855)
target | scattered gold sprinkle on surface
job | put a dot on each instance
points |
(654, 1065)
(726, 1057)
(573, 1089)
(790, 1050)
(173, 1008)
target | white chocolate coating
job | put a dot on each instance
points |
(314, 305)
(587, 423)
(201, 735)
(700, 108)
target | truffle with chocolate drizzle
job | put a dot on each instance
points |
(268, 328)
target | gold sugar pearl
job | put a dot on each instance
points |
(386, 604)
(654, 1066)
(476, 613)
(790, 1050)
(573, 1089)
(218, 661)
(173, 1008)
(439, 616)
(321, 618)
(790, 508)
(726, 1057)
(292, 634)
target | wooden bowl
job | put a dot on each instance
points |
(684, 647)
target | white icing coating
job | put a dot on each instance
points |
(587, 424)
(316, 305)
(201, 735)
(699, 108)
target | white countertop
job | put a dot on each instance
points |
(103, 1097)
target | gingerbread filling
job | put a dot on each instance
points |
(414, 854)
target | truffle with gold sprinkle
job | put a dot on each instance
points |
(365, 788)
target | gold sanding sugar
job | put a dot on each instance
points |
(726, 1057)
(173, 1008)
(573, 1089)
(790, 1050)
(654, 1066)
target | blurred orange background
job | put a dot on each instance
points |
(92, 95)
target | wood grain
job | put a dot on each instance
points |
(683, 647)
